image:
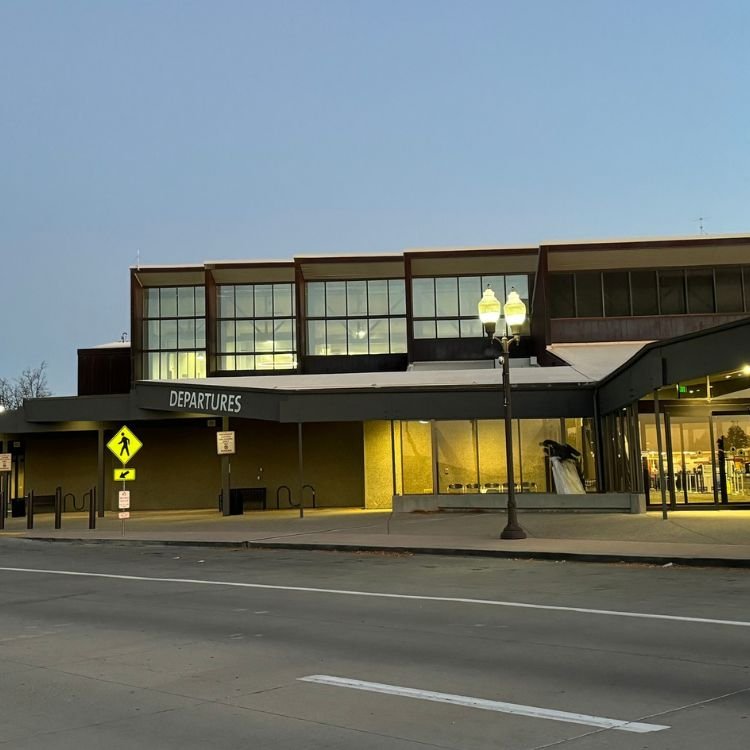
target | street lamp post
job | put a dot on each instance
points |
(515, 315)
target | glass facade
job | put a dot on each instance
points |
(174, 333)
(468, 456)
(672, 291)
(446, 306)
(356, 317)
(256, 327)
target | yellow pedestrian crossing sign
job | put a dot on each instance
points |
(124, 445)
(124, 475)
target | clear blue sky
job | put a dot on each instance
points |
(193, 131)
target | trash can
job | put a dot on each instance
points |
(236, 504)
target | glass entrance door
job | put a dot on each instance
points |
(733, 457)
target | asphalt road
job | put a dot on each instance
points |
(123, 660)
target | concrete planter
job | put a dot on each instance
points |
(611, 502)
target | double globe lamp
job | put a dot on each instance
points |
(515, 316)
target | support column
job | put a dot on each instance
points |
(664, 514)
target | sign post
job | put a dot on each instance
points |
(6, 464)
(225, 447)
(124, 445)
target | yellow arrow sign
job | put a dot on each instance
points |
(124, 445)
(124, 475)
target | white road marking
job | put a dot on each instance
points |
(535, 712)
(386, 595)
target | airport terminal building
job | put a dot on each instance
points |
(367, 381)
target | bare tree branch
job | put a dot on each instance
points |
(31, 383)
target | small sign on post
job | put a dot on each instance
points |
(123, 499)
(6, 461)
(225, 443)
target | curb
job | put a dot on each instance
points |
(594, 557)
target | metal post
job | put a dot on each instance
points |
(4, 484)
(30, 510)
(722, 470)
(100, 471)
(714, 485)
(683, 465)
(92, 508)
(301, 470)
(58, 507)
(664, 513)
(670, 461)
(512, 529)
(226, 476)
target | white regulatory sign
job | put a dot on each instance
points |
(123, 499)
(6, 460)
(225, 443)
(123, 515)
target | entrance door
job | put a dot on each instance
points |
(732, 433)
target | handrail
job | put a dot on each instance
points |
(65, 501)
(309, 486)
(288, 495)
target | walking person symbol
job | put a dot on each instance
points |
(125, 443)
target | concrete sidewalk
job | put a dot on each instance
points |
(688, 537)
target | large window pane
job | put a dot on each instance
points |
(493, 472)
(356, 298)
(245, 362)
(151, 338)
(377, 297)
(533, 464)
(423, 298)
(243, 301)
(200, 307)
(700, 286)
(316, 299)
(520, 283)
(589, 294)
(616, 293)
(357, 336)
(152, 366)
(283, 300)
(263, 301)
(457, 456)
(497, 284)
(186, 301)
(168, 365)
(447, 329)
(379, 336)
(316, 337)
(424, 329)
(245, 336)
(335, 299)
(168, 302)
(469, 294)
(168, 339)
(728, 289)
(226, 301)
(151, 303)
(471, 328)
(200, 334)
(264, 335)
(398, 335)
(561, 295)
(416, 458)
(186, 334)
(226, 341)
(396, 297)
(336, 336)
(644, 292)
(672, 292)
(283, 340)
(446, 295)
